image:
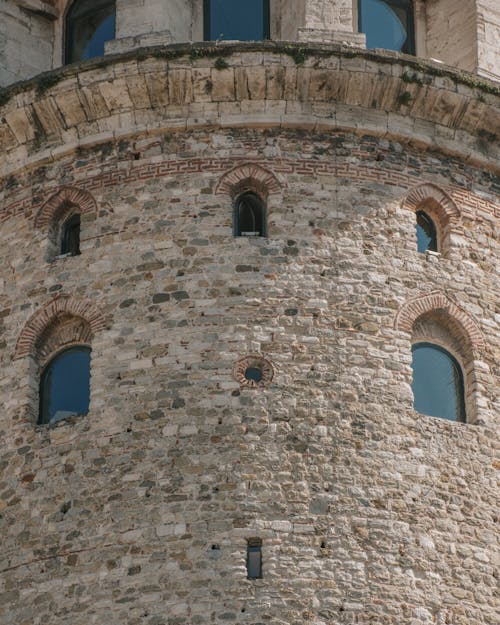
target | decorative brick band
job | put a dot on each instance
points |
(60, 308)
(428, 193)
(470, 203)
(437, 301)
(65, 197)
(248, 177)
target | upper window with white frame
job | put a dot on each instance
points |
(242, 21)
(388, 24)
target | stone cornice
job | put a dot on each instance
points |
(269, 84)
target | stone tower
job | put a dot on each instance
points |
(229, 226)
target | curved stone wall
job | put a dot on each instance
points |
(140, 511)
(155, 90)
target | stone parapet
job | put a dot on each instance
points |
(257, 85)
(461, 33)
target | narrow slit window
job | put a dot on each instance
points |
(249, 216)
(70, 236)
(254, 558)
(426, 233)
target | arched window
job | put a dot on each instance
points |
(438, 384)
(243, 21)
(70, 236)
(249, 216)
(65, 385)
(89, 24)
(435, 215)
(426, 233)
(387, 24)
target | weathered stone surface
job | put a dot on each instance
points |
(460, 33)
(174, 457)
(330, 89)
(140, 512)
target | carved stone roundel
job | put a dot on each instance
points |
(253, 371)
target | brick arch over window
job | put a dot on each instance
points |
(248, 177)
(430, 195)
(63, 321)
(439, 207)
(64, 332)
(439, 303)
(59, 203)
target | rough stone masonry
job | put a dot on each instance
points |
(139, 513)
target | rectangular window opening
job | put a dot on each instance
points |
(236, 20)
(254, 558)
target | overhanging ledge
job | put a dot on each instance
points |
(268, 84)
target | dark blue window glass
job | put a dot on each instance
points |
(89, 24)
(426, 233)
(249, 216)
(244, 20)
(254, 559)
(438, 386)
(387, 24)
(65, 385)
(70, 236)
(253, 373)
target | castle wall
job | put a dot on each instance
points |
(184, 23)
(26, 41)
(323, 14)
(451, 32)
(153, 22)
(140, 511)
(269, 86)
(488, 36)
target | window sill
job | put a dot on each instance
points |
(432, 257)
(67, 255)
(68, 420)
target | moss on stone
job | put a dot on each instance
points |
(405, 98)
(5, 96)
(46, 81)
(220, 63)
